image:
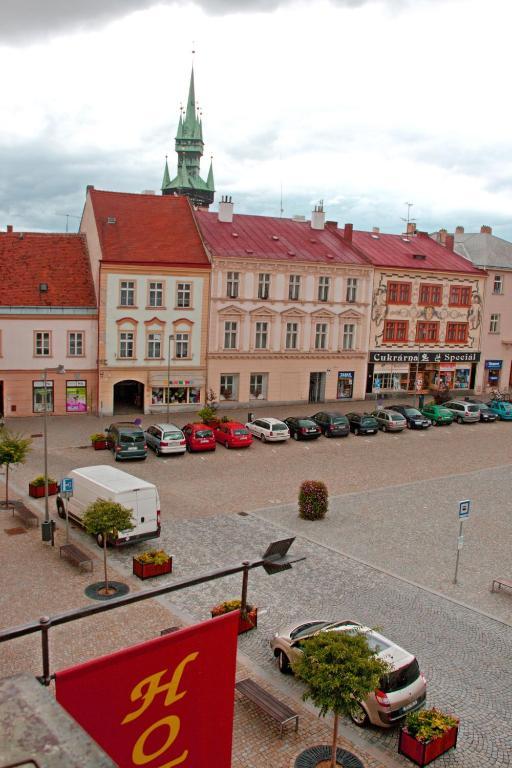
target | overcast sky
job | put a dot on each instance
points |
(366, 105)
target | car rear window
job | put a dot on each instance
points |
(173, 436)
(396, 417)
(278, 427)
(368, 420)
(306, 423)
(240, 432)
(339, 420)
(204, 433)
(472, 408)
(400, 678)
(131, 437)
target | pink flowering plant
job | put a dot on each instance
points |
(313, 500)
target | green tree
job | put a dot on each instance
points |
(104, 518)
(340, 670)
(14, 449)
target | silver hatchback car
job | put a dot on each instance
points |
(463, 412)
(165, 438)
(390, 421)
(403, 689)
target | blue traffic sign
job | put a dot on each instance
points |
(464, 507)
(66, 485)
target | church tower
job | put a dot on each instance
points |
(189, 147)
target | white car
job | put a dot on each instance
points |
(268, 429)
(165, 438)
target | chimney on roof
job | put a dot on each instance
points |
(459, 230)
(226, 209)
(411, 228)
(485, 230)
(331, 225)
(442, 236)
(347, 232)
(9, 227)
(318, 216)
(449, 242)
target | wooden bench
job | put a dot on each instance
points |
(501, 583)
(269, 704)
(75, 555)
(25, 514)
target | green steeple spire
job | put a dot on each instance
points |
(189, 146)
(209, 182)
(167, 179)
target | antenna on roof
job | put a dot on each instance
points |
(408, 220)
(68, 217)
(281, 209)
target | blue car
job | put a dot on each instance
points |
(501, 408)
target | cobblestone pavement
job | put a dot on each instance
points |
(465, 655)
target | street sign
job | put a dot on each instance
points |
(464, 507)
(66, 485)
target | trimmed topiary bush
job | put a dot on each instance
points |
(313, 500)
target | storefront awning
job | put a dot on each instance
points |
(185, 379)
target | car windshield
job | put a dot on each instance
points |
(306, 423)
(204, 433)
(132, 437)
(306, 629)
(240, 432)
(400, 678)
(412, 412)
(173, 436)
(278, 427)
(368, 420)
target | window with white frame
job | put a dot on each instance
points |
(258, 386)
(294, 288)
(349, 335)
(321, 336)
(181, 345)
(127, 293)
(156, 294)
(494, 326)
(263, 286)
(261, 340)
(126, 344)
(352, 289)
(184, 295)
(75, 344)
(230, 334)
(42, 343)
(232, 285)
(292, 335)
(498, 284)
(323, 288)
(228, 386)
(154, 346)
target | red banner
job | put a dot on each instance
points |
(162, 703)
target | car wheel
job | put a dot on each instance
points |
(360, 717)
(60, 509)
(226, 445)
(295, 436)
(283, 662)
(459, 420)
(356, 430)
(263, 438)
(408, 425)
(157, 451)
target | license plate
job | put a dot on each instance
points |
(243, 438)
(204, 440)
(370, 432)
(132, 448)
(410, 706)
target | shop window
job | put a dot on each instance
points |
(258, 386)
(294, 288)
(498, 284)
(156, 295)
(345, 386)
(427, 332)
(323, 288)
(321, 336)
(352, 289)
(349, 335)
(42, 343)
(398, 293)
(76, 396)
(175, 395)
(228, 386)
(230, 334)
(395, 381)
(126, 293)
(431, 295)
(460, 296)
(395, 331)
(261, 340)
(292, 335)
(494, 325)
(263, 286)
(38, 391)
(183, 295)
(462, 377)
(457, 333)
(232, 285)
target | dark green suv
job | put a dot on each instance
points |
(126, 441)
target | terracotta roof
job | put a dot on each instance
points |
(147, 229)
(399, 251)
(30, 259)
(267, 237)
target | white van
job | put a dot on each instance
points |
(107, 482)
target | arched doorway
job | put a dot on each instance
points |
(128, 397)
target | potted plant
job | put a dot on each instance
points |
(36, 487)
(313, 500)
(153, 562)
(208, 415)
(427, 734)
(99, 441)
(247, 622)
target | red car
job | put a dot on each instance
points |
(233, 434)
(199, 437)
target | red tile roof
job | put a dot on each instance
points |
(266, 237)
(61, 261)
(147, 229)
(398, 251)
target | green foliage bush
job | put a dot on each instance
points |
(428, 724)
(38, 481)
(313, 500)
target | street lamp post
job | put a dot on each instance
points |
(46, 526)
(171, 338)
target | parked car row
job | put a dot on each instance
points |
(129, 441)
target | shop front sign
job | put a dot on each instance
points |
(424, 357)
(493, 365)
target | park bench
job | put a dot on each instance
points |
(276, 709)
(501, 583)
(75, 555)
(24, 513)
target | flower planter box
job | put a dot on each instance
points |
(100, 445)
(245, 625)
(150, 570)
(37, 491)
(422, 753)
